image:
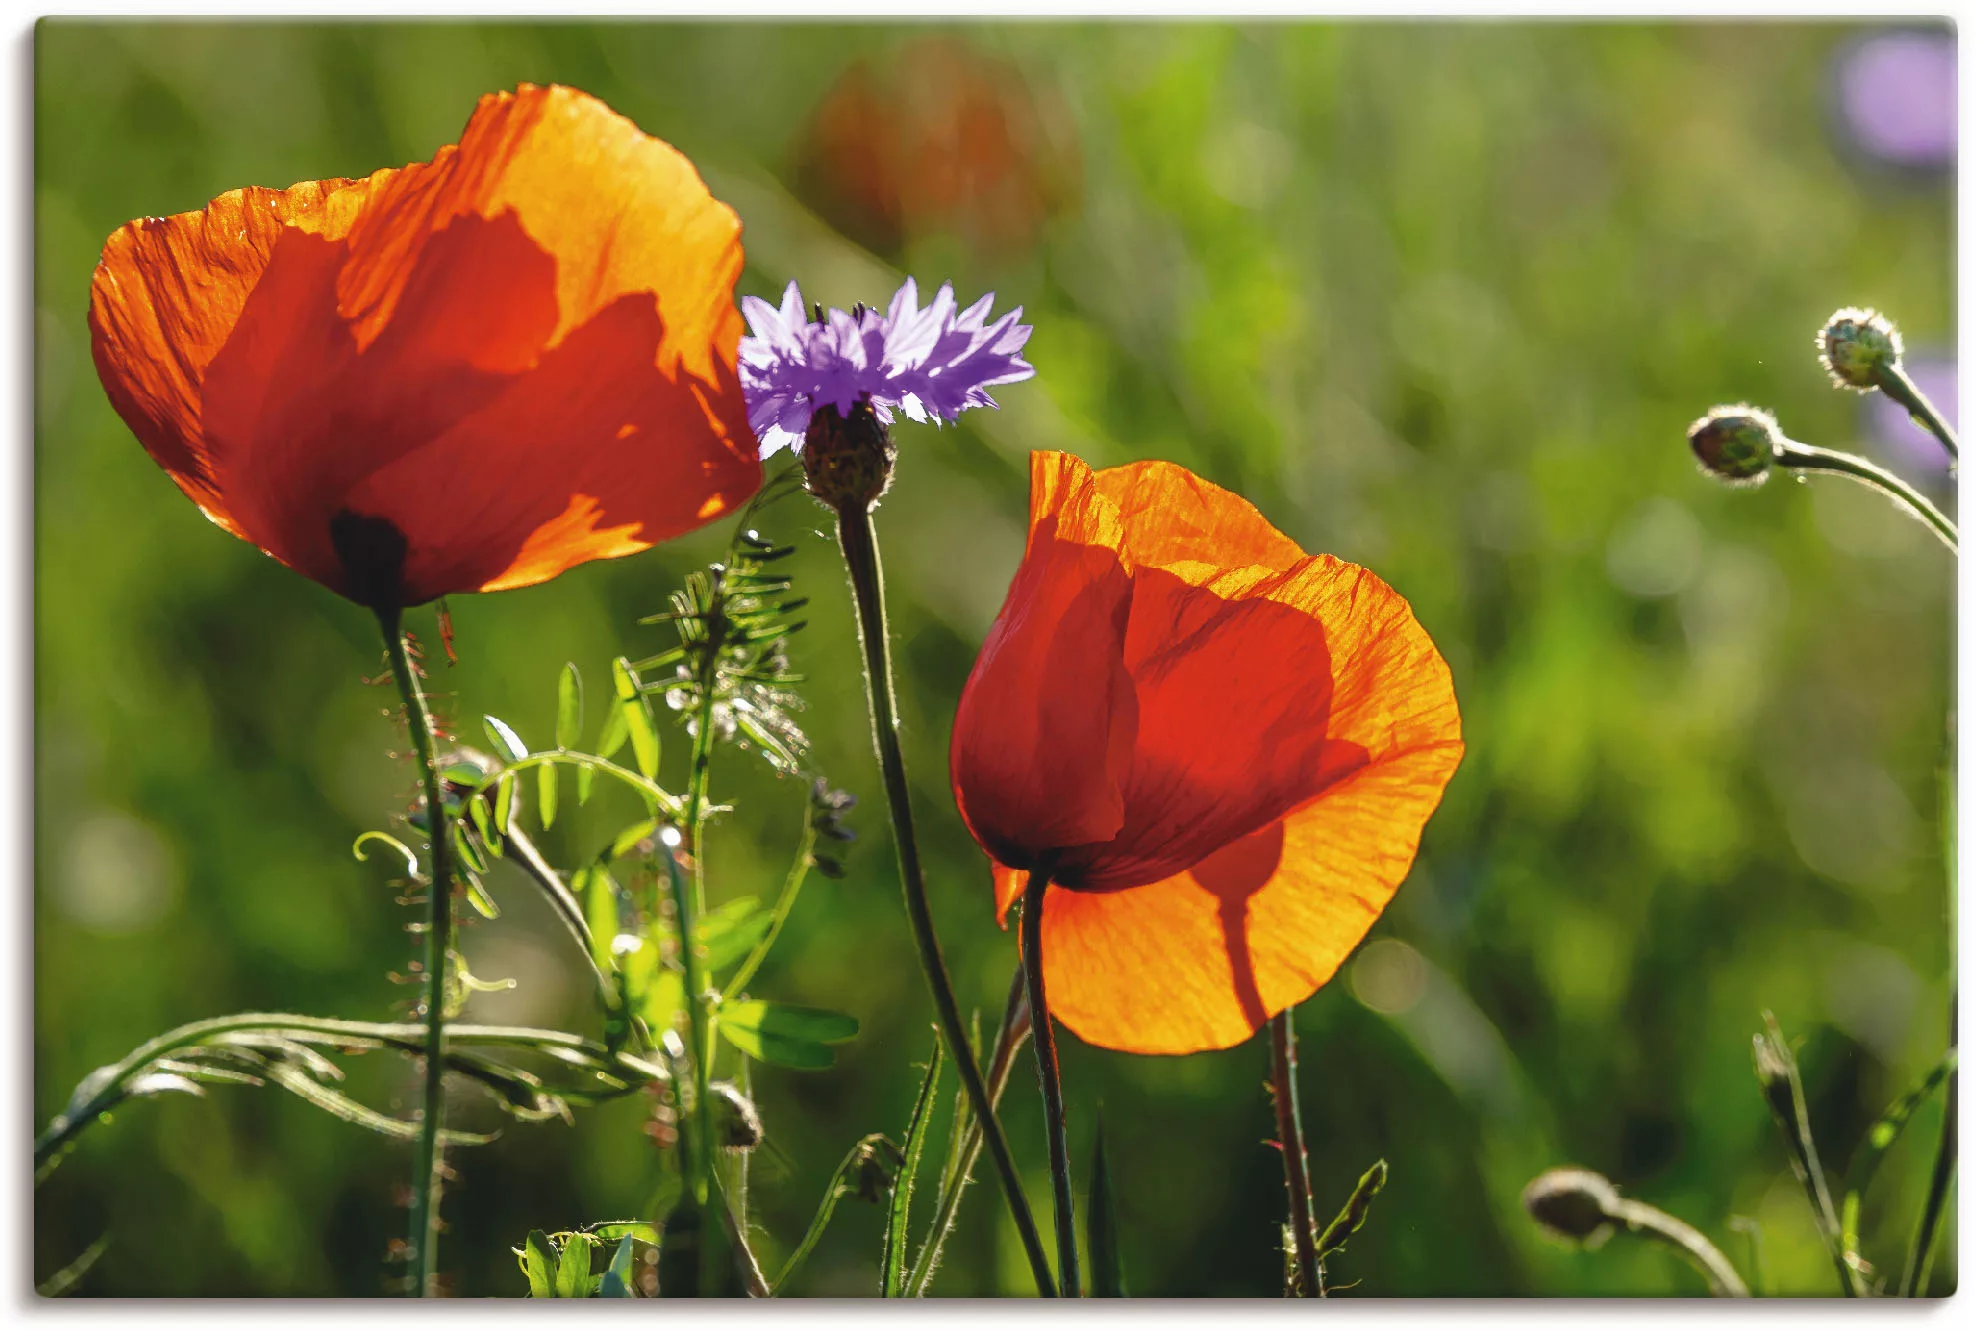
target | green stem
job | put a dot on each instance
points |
(1292, 1144)
(1917, 1266)
(1899, 388)
(837, 1188)
(862, 563)
(1016, 1028)
(800, 867)
(427, 1161)
(701, 1120)
(1045, 1048)
(1710, 1262)
(1807, 457)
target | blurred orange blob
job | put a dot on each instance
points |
(1221, 748)
(463, 375)
(940, 138)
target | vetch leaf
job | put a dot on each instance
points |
(539, 1264)
(796, 1054)
(574, 1267)
(1354, 1213)
(627, 840)
(505, 738)
(505, 802)
(570, 706)
(639, 722)
(893, 1254)
(546, 793)
(612, 737)
(727, 934)
(781, 1021)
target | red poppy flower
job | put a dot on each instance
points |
(462, 375)
(1221, 748)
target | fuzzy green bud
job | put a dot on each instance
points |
(1737, 444)
(848, 459)
(1859, 346)
(1573, 1203)
(737, 1124)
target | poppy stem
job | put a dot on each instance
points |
(1046, 1049)
(862, 564)
(1808, 457)
(427, 1164)
(1292, 1144)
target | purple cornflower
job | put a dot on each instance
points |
(932, 364)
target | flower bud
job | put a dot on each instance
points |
(848, 459)
(737, 1124)
(1737, 444)
(1572, 1203)
(1857, 346)
(1776, 1075)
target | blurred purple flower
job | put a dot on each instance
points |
(1907, 442)
(1899, 97)
(932, 364)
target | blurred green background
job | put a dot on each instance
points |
(1439, 298)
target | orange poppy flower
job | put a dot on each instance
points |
(1222, 749)
(466, 374)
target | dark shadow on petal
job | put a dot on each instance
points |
(1233, 875)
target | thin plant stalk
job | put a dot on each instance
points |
(1718, 1272)
(800, 868)
(1917, 1265)
(1016, 1028)
(1899, 388)
(1292, 1144)
(427, 1163)
(862, 564)
(701, 1153)
(1807, 457)
(1045, 1048)
(1780, 1082)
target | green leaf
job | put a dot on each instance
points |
(483, 818)
(796, 1054)
(593, 885)
(625, 842)
(574, 1267)
(781, 1021)
(570, 706)
(893, 1254)
(584, 778)
(546, 793)
(477, 896)
(617, 1281)
(468, 856)
(1354, 1213)
(505, 738)
(612, 737)
(638, 716)
(636, 1229)
(729, 933)
(505, 802)
(538, 1263)
(665, 996)
(1103, 1224)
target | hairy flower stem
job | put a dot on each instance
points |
(1718, 1272)
(427, 1164)
(1045, 1047)
(1807, 457)
(1292, 1144)
(862, 564)
(1898, 387)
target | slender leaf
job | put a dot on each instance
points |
(614, 734)
(627, 840)
(546, 793)
(1354, 1213)
(893, 1255)
(796, 1054)
(593, 885)
(505, 802)
(645, 734)
(570, 706)
(1103, 1225)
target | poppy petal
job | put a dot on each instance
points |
(1046, 722)
(163, 301)
(1202, 959)
(1169, 515)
